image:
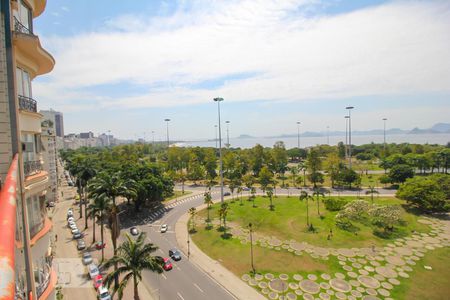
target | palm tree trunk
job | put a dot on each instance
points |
(79, 194)
(318, 212)
(136, 291)
(93, 226)
(85, 210)
(101, 234)
(307, 212)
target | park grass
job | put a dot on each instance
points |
(235, 256)
(177, 194)
(427, 284)
(288, 221)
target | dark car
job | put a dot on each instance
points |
(226, 194)
(77, 235)
(134, 231)
(175, 254)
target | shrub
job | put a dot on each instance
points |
(335, 204)
(385, 216)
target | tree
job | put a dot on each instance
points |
(430, 194)
(371, 191)
(193, 212)
(279, 159)
(318, 193)
(253, 192)
(348, 177)
(305, 196)
(269, 192)
(314, 165)
(399, 173)
(385, 216)
(223, 212)
(257, 159)
(208, 202)
(265, 178)
(248, 181)
(133, 258)
(99, 207)
(195, 171)
(333, 166)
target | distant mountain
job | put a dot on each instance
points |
(441, 127)
(245, 136)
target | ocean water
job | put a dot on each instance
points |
(291, 142)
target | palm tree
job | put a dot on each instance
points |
(223, 212)
(305, 196)
(193, 212)
(302, 167)
(371, 191)
(133, 258)
(100, 207)
(208, 202)
(318, 193)
(269, 192)
(253, 192)
(294, 171)
(239, 191)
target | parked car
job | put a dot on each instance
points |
(103, 293)
(70, 213)
(87, 258)
(99, 245)
(93, 271)
(134, 230)
(246, 189)
(163, 228)
(71, 220)
(50, 204)
(226, 194)
(98, 281)
(175, 254)
(167, 264)
(81, 245)
(77, 235)
(74, 229)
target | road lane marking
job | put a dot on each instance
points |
(179, 295)
(164, 276)
(198, 288)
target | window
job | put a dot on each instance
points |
(23, 15)
(23, 83)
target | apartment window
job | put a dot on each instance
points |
(24, 16)
(23, 83)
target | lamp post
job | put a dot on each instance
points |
(215, 127)
(298, 135)
(349, 108)
(346, 137)
(384, 136)
(228, 134)
(218, 100)
(251, 247)
(167, 128)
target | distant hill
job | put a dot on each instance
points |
(441, 127)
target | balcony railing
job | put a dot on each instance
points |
(19, 27)
(45, 273)
(27, 103)
(32, 167)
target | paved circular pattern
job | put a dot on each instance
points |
(403, 274)
(356, 294)
(340, 285)
(384, 292)
(325, 276)
(298, 292)
(273, 295)
(386, 272)
(369, 297)
(340, 295)
(265, 291)
(347, 268)
(369, 282)
(403, 250)
(371, 292)
(293, 286)
(259, 277)
(298, 277)
(245, 277)
(309, 286)
(291, 296)
(324, 296)
(269, 276)
(307, 296)
(355, 283)
(330, 292)
(387, 285)
(278, 285)
(312, 277)
(253, 282)
(346, 252)
(394, 281)
(352, 274)
(379, 277)
(339, 275)
(395, 260)
(262, 285)
(356, 265)
(363, 272)
(284, 276)
(369, 268)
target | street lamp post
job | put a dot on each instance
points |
(228, 134)
(298, 135)
(218, 100)
(251, 247)
(215, 127)
(349, 108)
(167, 128)
(346, 137)
(384, 136)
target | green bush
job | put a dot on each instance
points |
(335, 204)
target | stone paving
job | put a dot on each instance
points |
(367, 273)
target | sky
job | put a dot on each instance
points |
(125, 66)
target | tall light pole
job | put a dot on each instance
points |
(228, 134)
(153, 137)
(218, 100)
(167, 128)
(384, 136)
(349, 108)
(215, 127)
(346, 137)
(298, 135)
(328, 135)
(251, 247)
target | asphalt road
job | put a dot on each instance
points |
(185, 281)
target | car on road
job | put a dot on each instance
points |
(99, 245)
(175, 254)
(93, 271)
(167, 264)
(87, 258)
(103, 293)
(134, 230)
(69, 213)
(98, 281)
(163, 228)
(246, 189)
(81, 245)
(74, 229)
(77, 235)
(226, 194)
(70, 220)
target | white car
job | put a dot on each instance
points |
(93, 271)
(163, 228)
(87, 258)
(103, 293)
(70, 219)
(74, 230)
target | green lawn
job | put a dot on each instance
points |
(177, 194)
(288, 221)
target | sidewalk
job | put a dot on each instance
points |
(229, 281)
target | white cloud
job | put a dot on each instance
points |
(396, 48)
(65, 8)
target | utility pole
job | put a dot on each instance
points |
(349, 108)
(167, 129)
(218, 100)
(298, 135)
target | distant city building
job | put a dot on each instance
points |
(57, 119)
(86, 135)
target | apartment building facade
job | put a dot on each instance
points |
(22, 59)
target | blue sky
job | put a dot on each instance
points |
(126, 67)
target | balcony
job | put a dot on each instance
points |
(32, 167)
(19, 27)
(27, 104)
(44, 279)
